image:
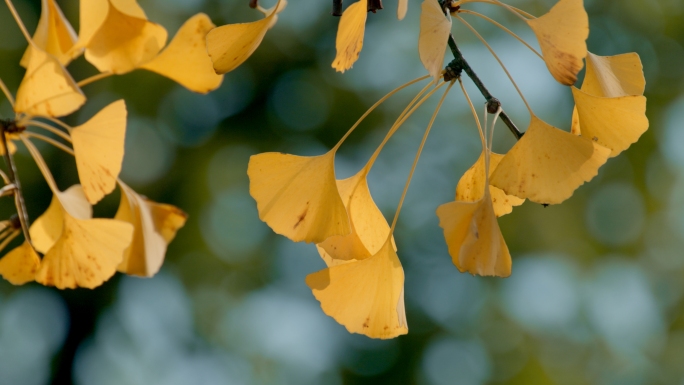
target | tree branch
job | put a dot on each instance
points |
(460, 64)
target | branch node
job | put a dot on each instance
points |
(453, 70)
(493, 105)
(253, 4)
(374, 5)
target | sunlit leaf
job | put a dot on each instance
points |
(470, 187)
(185, 59)
(47, 88)
(99, 149)
(562, 35)
(54, 34)
(297, 196)
(435, 28)
(20, 265)
(350, 35)
(547, 165)
(155, 226)
(365, 296)
(230, 45)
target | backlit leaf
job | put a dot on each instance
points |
(20, 265)
(365, 296)
(297, 196)
(473, 237)
(47, 88)
(435, 28)
(547, 165)
(470, 187)
(155, 225)
(185, 59)
(350, 35)
(99, 149)
(562, 35)
(54, 34)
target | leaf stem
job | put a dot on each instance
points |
(7, 93)
(93, 79)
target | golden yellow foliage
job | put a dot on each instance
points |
(19, 266)
(435, 28)
(350, 35)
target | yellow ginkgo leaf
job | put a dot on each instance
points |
(99, 149)
(613, 122)
(185, 59)
(54, 34)
(86, 254)
(92, 14)
(350, 35)
(401, 9)
(473, 237)
(297, 195)
(365, 296)
(124, 40)
(562, 35)
(435, 28)
(155, 226)
(46, 230)
(548, 164)
(369, 228)
(614, 76)
(230, 45)
(47, 88)
(20, 265)
(470, 187)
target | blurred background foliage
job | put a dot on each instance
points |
(597, 291)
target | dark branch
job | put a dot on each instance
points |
(460, 64)
(337, 8)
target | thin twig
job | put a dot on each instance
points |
(18, 196)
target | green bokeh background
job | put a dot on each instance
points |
(597, 291)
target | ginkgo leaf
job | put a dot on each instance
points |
(365, 296)
(47, 229)
(369, 228)
(47, 88)
(473, 237)
(86, 254)
(562, 35)
(401, 9)
(20, 265)
(548, 164)
(124, 40)
(613, 122)
(92, 14)
(470, 187)
(297, 196)
(155, 226)
(185, 59)
(230, 45)
(99, 149)
(435, 28)
(53, 34)
(614, 76)
(350, 35)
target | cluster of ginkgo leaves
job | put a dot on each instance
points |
(299, 197)
(78, 250)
